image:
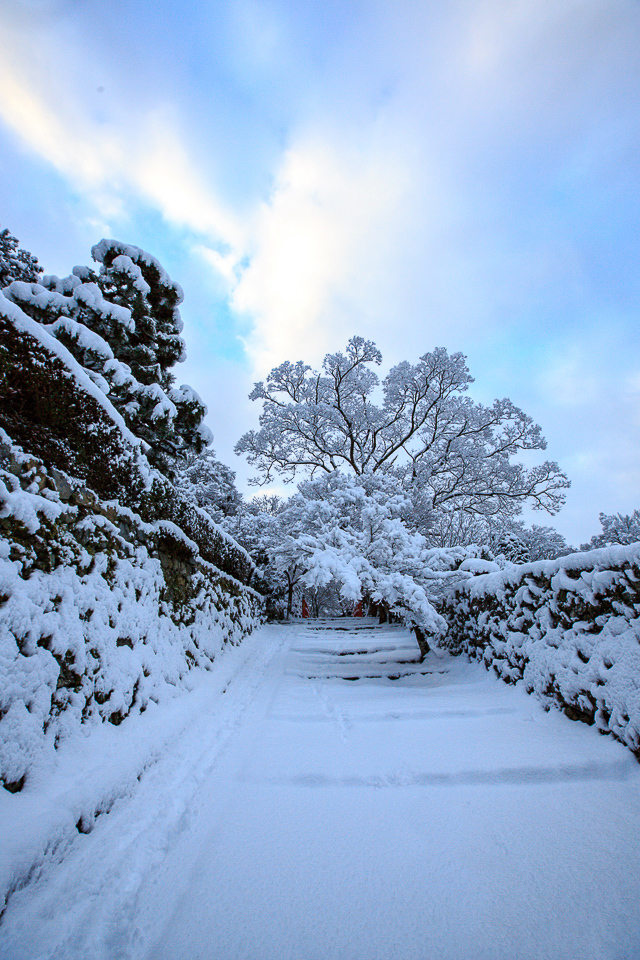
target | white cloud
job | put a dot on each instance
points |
(447, 181)
(137, 151)
(330, 217)
(224, 264)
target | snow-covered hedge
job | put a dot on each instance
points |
(569, 628)
(100, 612)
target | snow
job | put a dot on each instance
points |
(322, 795)
(22, 505)
(568, 628)
(91, 295)
(25, 324)
(475, 565)
(134, 256)
(57, 297)
(94, 637)
(344, 533)
(123, 264)
(602, 559)
(87, 339)
(188, 395)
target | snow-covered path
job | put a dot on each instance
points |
(289, 811)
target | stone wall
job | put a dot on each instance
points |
(569, 629)
(113, 587)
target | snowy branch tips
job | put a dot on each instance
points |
(426, 432)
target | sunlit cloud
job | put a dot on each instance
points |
(226, 265)
(43, 128)
(329, 215)
(432, 174)
(107, 162)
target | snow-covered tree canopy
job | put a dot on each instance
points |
(123, 326)
(521, 544)
(616, 528)
(349, 530)
(346, 533)
(210, 484)
(426, 431)
(16, 263)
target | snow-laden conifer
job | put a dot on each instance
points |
(123, 326)
(16, 263)
(210, 484)
(616, 528)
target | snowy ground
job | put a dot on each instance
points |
(288, 811)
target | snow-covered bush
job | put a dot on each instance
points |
(53, 409)
(568, 628)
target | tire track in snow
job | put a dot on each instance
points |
(97, 877)
(242, 840)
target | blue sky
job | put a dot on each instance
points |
(458, 174)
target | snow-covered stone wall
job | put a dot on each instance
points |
(568, 628)
(112, 585)
(100, 612)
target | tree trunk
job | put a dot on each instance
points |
(421, 637)
(289, 599)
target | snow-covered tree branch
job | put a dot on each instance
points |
(616, 528)
(426, 432)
